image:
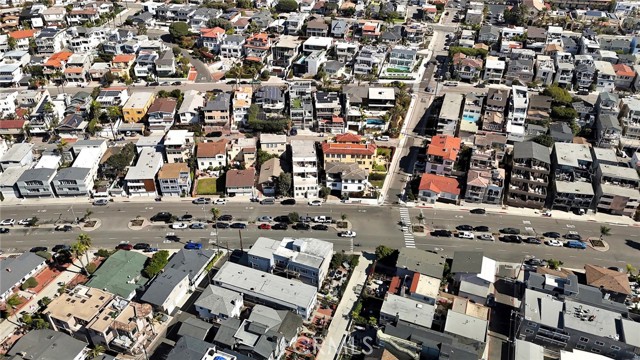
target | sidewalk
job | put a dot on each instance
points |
(339, 324)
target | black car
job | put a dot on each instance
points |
(141, 246)
(536, 262)
(552, 234)
(61, 247)
(280, 226)
(512, 239)
(162, 217)
(221, 225)
(4, 230)
(321, 227)
(464, 227)
(185, 217)
(512, 231)
(441, 233)
(532, 240)
(282, 219)
(302, 226)
(225, 218)
(238, 226)
(38, 249)
(478, 211)
(63, 228)
(481, 228)
(572, 236)
(288, 202)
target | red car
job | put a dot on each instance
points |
(124, 247)
(264, 227)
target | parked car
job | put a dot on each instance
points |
(179, 225)
(481, 228)
(302, 226)
(192, 245)
(574, 244)
(4, 230)
(101, 202)
(478, 211)
(486, 237)
(198, 226)
(141, 246)
(220, 201)
(7, 222)
(441, 233)
(25, 222)
(536, 262)
(265, 219)
(552, 234)
(38, 249)
(280, 226)
(61, 247)
(512, 231)
(162, 217)
(572, 235)
(282, 219)
(464, 227)
(306, 218)
(554, 242)
(225, 218)
(382, 138)
(185, 217)
(512, 239)
(268, 201)
(322, 219)
(238, 225)
(201, 201)
(221, 225)
(150, 250)
(347, 234)
(315, 203)
(465, 235)
(124, 247)
(320, 227)
(63, 228)
(288, 202)
(264, 227)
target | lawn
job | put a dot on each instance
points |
(207, 186)
(383, 152)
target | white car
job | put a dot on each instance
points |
(315, 203)
(101, 202)
(265, 219)
(179, 226)
(382, 138)
(466, 235)
(347, 234)
(7, 222)
(26, 221)
(554, 242)
(486, 237)
(220, 202)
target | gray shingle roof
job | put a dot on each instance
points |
(71, 173)
(220, 103)
(218, 300)
(531, 150)
(46, 344)
(195, 328)
(41, 174)
(15, 268)
(421, 261)
(467, 262)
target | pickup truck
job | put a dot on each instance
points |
(322, 219)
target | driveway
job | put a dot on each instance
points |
(204, 75)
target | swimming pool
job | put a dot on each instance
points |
(469, 118)
(375, 122)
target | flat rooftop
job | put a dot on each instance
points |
(568, 154)
(619, 172)
(408, 310)
(574, 187)
(590, 319)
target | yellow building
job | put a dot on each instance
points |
(137, 106)
(348, 149)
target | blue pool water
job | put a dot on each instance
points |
(375, 122)
(468, 118)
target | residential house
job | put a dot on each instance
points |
(316, 43)
(175, 179)
(539, 108)
(284, 52)
(545, 69)
(240, 25)
(493, 70)
(201, 16)
(7, 104)
(584, 71)
(145, 64)
(369, 60)
(272, 100)
(521, 67)
(518, 106)
(16, 270)
(572, 166)
(442, 154)
(608, 130)
(136, 107)
(232, 47)
(44, 344)
(624, 76)
(78, 179)
(630, 119)
(473, 104)
(564, 69)
(339, 28)
(485, 181)
(189, 112)
(301, 103)
(217, 304)
(165, 64)
(258, 47)
(86, 303)
(10, 74)
(613, 284)
(489, 34)
(449, 114)
(211, 155)
(212, 39)
(399, 308)
(161, 114)
(437, 187)
(18, 155)
(178, 145)
(403, 57)
(561, 132)
(36, 183)
(473, 275)
(586, 112)
(605, 76)
(121, 274)
(273, 144)
(617, 190)
(141, 178)
(349, 150)
(270, 171)
(240, 182)
(346, 51)
(50, 40)
(346, 178)
(263, 288)
(22, 38)
(112, 96)
(304, 161)
(370, 29)
(186, 270)
(317, 27)
(121, 63)
(308, 258)
(260, 341)
(82, 16)
(530, 175)
(217, 111)
(467, 68)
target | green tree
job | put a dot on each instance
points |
(563, 113)
(142, 29)
(294, 217)
(96, 351)
(244, 4)
(12, 43)
(30, 283)
(343, 216)
(157, 262)
(631, 270)
(287, 6)
(12, 303)
(91, 268)
(554, 264)
(373, 322)
(109, 78)
(103, 253)
(178, 30)
(324, 192)
(383, 252)
(604, 231)
(285, 183)
(544, 140)
(44, 302)
(560, 96)
(263, 156)
(85, 240)
(78, 249)
(215, 212)
(221, 23)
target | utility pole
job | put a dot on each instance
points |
(240, 235)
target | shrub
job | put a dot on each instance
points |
(157, 262)
(29, 284)
(91, 268)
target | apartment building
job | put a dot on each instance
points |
(175, 179)
(442, 154)
(485, 180)
(136, 107)
(217, 112)
(178, 145)
(617, 190)
(450, 114)
(518, 106)
(141, 178)
(273, 144)
(304, 162)
(162, 113)
(352, 151)
(564, 69)
(572, 188)
(283, 53)
(530, 175)
(72, 311)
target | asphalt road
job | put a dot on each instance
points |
(374, 226)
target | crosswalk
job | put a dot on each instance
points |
(409, 240)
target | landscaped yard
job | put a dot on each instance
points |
(207, 186)
(383, 152)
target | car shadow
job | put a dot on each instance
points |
(633, 244)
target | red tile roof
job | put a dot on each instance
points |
(414, 282)
(213, 33)
(348, 138)
(11, 124)
(439, 184)
(123, 58)
(624, 70)
(22, 34)
(395, 285)
(56, 59)
(349, 149)
(211, 149)
(445, 146)
(73, 70)
(240, 178)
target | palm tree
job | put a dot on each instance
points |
(343, 217)
(604, 231)
(96, 351)
(12, 303)
(420, 218)
(215, 212)
(78, 249)
(85, 240)
(61, 145)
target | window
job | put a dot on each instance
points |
(599, 343)
(615, 348)
(528, 331)
(580, 347)
(583, 339)
(594, 350)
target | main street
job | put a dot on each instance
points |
(374, 226)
